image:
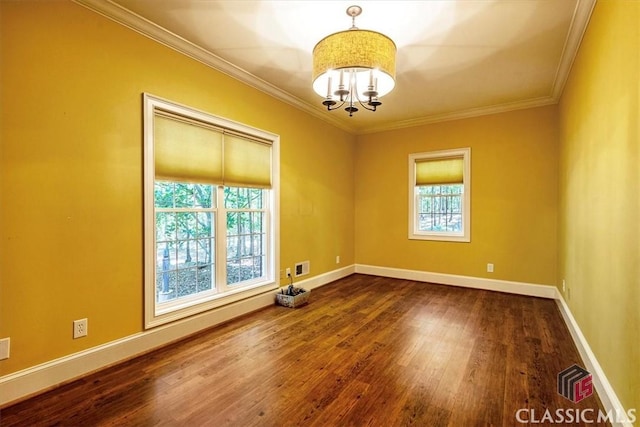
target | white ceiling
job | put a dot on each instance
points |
(456, 58)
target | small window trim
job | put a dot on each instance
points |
(154, 317)
(465, 236)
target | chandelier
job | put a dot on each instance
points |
(354, 67)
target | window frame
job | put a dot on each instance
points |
(414, 233)
(156, 316)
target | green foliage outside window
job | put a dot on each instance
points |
(440, 208)
(185, 237)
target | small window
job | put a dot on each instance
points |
(439, 195)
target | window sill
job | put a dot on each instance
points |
(190, 308)
(441, 237)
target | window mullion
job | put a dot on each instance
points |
(221, 241)
(266, 234)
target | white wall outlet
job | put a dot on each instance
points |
(5, 344)
(564, 285)
(80, 328)
(489, 268)
(337, 259)
(288, 272)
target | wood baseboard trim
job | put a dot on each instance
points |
(519, 288)
(28, 382)
(605, 391)
(323, 279)
(37, 379)
(610, 401)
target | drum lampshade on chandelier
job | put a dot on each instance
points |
(354, 67)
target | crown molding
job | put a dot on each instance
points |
(463, 114)
(125, 17)
(580, 20)
(143, 26)
(581, 15)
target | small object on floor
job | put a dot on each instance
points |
(292, 297)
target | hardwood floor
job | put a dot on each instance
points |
(366, 351)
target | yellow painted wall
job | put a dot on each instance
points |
(71, 173)
(71, 183)
(599, 216)
(513, 191)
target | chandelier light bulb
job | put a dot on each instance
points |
(363, 62)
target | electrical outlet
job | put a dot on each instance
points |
(338, 259)
(4, 348)
(288, 271)
(489, 268)
(564, 286)
(80, 328)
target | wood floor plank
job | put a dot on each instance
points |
(366, 351)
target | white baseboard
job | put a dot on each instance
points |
(607, 395)
(605, 391)
(323, 279)
(30, 381)
(27, 382)
(519, 288)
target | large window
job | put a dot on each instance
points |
(439, 195)
(210, 211)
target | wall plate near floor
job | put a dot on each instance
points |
(80, 328)
(301, 268)
(5, 345)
